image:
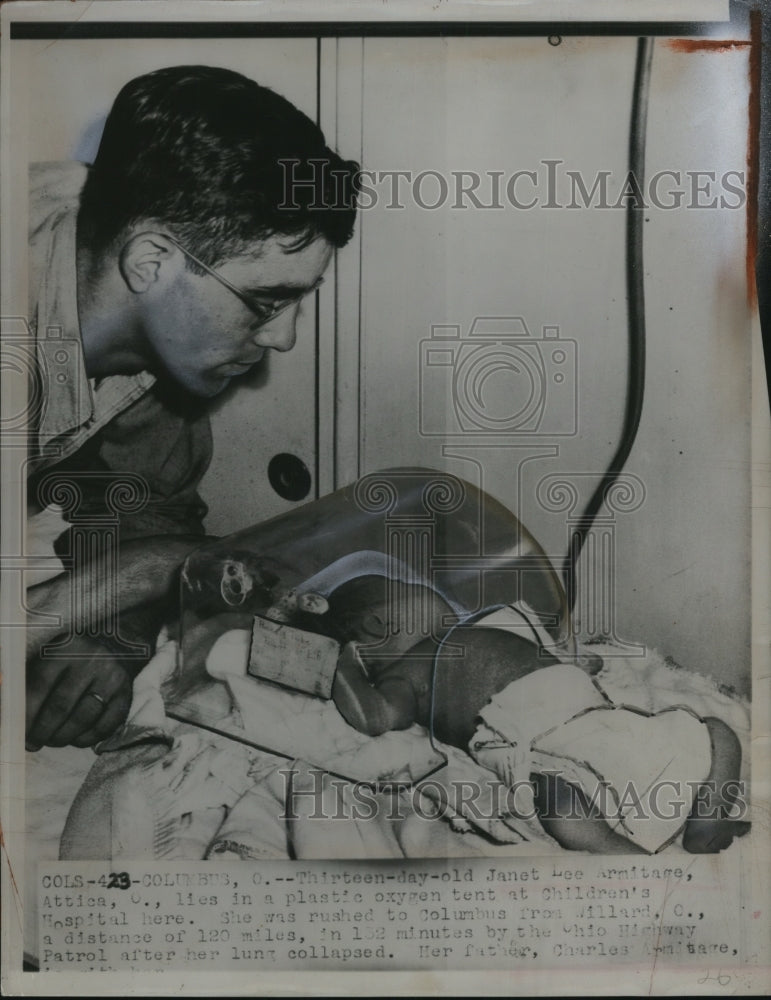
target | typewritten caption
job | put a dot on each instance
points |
(466, 914)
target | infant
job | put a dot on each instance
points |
(392, 632)
(520, 711)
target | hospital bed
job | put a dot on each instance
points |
(419, 525)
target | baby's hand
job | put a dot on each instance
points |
(509, 761)
(371, 710)
(350, 690)
(350, 660)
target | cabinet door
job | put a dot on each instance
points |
(274, 410)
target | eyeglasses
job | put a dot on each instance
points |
(264, 308)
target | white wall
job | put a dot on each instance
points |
(682, 559)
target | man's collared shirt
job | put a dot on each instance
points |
(119, 424)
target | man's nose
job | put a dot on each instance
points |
(280, 332)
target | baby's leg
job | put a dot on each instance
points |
(709, 828)
(576, 824)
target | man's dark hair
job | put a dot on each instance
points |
(200, 150)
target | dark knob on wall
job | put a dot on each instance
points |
(289, 476)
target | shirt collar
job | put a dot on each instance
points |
(67, 399)
(66, 393)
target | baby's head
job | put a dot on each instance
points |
(390, 615)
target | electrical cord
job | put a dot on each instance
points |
(635, 298)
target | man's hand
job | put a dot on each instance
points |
(76, 700)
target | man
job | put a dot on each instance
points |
(158, 274)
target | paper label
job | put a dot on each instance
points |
(293, 658)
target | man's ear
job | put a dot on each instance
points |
(143, 259)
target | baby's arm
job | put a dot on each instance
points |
(391, 705)
(709, 829)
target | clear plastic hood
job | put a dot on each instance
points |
(465, 543)
(411, 525)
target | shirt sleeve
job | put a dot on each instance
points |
(166, 442)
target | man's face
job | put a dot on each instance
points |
(204, 335)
